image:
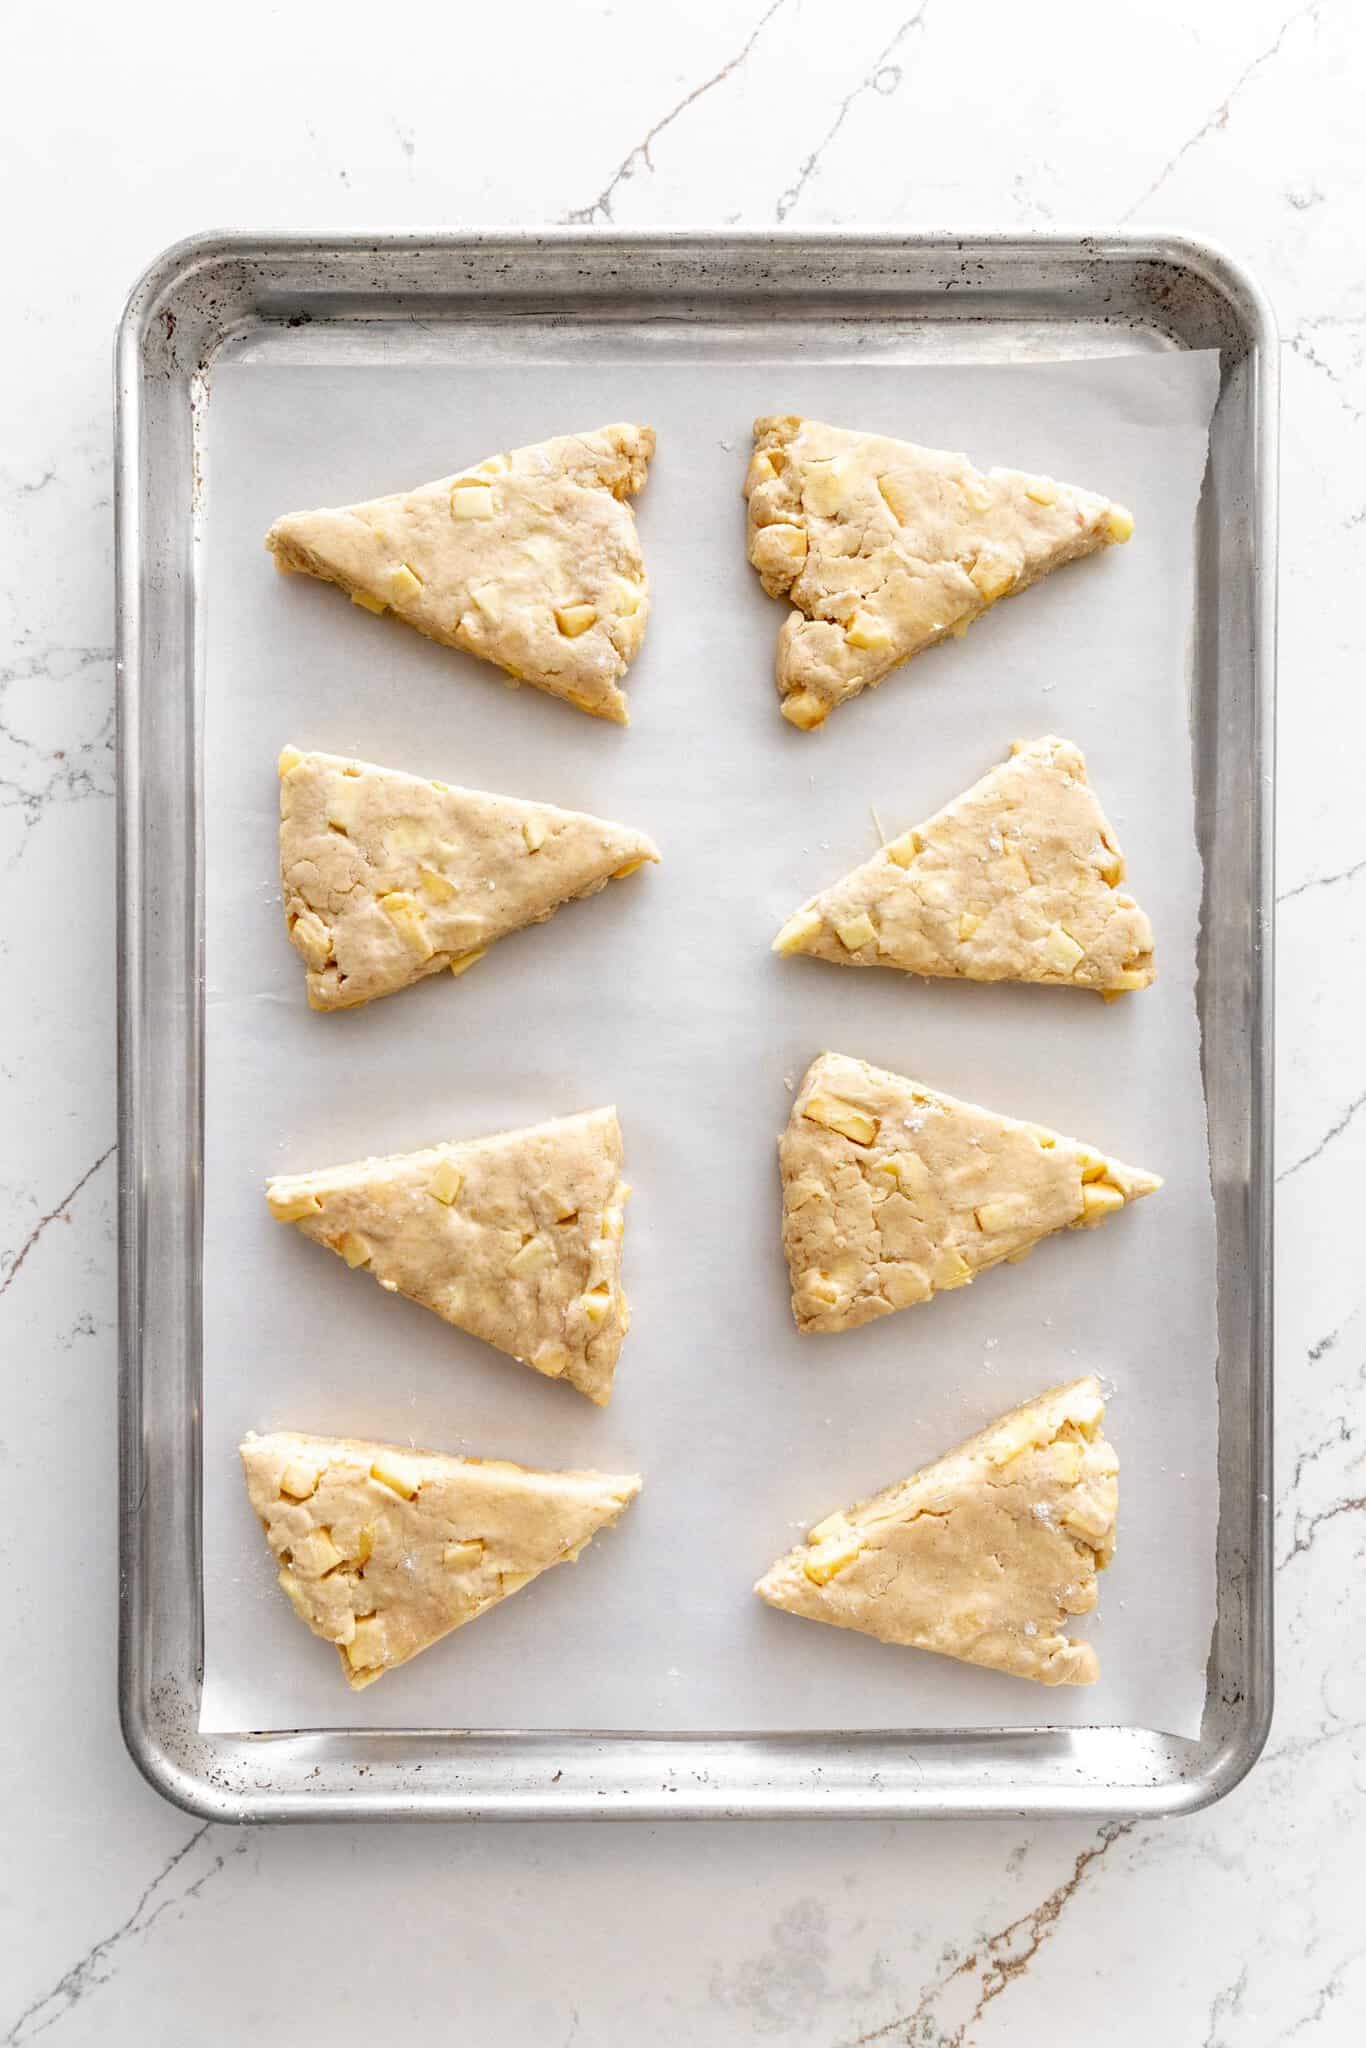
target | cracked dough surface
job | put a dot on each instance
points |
(529, 560)
(893, 1192)
(1016, 880)
(515, 1238)
(885, 547)
(387, 878)
(383, 1550)
(983, 1555)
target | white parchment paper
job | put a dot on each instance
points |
(662, 995)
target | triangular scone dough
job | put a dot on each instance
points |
(387, 878)
(892, 1192)
(529, 560)
(516, 1238)
(984, 1554)
(885, 547)
(384, 1550)
(1016, 880)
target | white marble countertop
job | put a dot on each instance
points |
(122, 1920)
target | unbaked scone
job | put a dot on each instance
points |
(383, 1550)
(1016, 880)
(387, 878)
(515, 1238)
(893, 1192)
(983, 1555)
(885, 547)
(529, 560)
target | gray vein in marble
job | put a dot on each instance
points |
(1219, 118)
(1226, 2004)
(639, 158)
(1027, 201)
(1295, 1750)
(791, 1979)
(93, 1968)
(1307, 1526)
(1343, 874)
(994, 1961)
(84, 1326)
(36, 484)
(16, 1259)
(1338, 1434)
(71, 773)
(1313, 323)
(1299, 345)
(880, 69)
(1323, 1998)
(39, 665)
(1326, 1140)
(1322, 1345)
(1329, 1342)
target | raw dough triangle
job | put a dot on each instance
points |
(1016, 880)
(885, 547)
(387, 878)
(981, 1556)
(893, 1192)
(529, 560)
(384, 1550)
(515, 1238)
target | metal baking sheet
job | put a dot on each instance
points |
(878, 308)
